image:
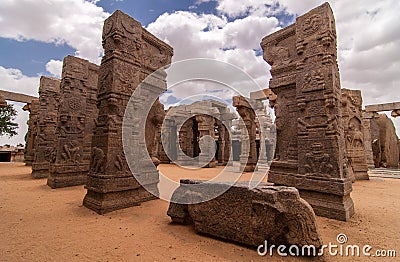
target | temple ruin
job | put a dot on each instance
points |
(310, 150)
(75, 122)
(49, 100)
(131, 54)
(186, 129)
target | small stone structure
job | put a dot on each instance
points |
(131, 54)
(187, 125)
(354, 132)
(310, 152)
(12, 153)
(75, 123)
(49, 100)
(31, 135)
(270, 213)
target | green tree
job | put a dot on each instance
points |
(7, 126)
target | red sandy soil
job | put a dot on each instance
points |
(41, 224)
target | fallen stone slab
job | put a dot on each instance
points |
(275, 214)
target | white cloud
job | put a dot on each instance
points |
(211, 36)
(13, 80)
(77, 23)
(55, 67)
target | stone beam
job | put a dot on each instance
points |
(395, 106)
(16, 97)
(263, 95)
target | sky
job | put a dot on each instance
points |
(35, 36)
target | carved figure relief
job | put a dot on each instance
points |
(313, 81)
(311, 25)
(72, 152)
(318, 162)
(355, 136)
(97, 161)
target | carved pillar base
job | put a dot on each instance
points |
(245, 166)
(329, 197)
(62, 175)
(40, 170)
(328, 205)
(103, 203)
(28, 161)
(113, 193)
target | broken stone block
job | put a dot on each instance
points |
(270, 213)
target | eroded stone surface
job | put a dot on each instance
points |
(248, 216)
(45, 152)
(310, 152)
(131, 54)
(75, 122)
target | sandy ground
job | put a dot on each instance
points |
(41, 224)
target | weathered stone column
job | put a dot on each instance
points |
(366, 121)
(186, 141)
(49, 99)
(354, 132)
(310, 153)
(206, 141)
(131, 54)
(30, 138)
(248, 157)
(75, 123)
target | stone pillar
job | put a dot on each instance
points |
(186, 141)
(76, 118)
(263, 127)
(223, 143)
(354, 132)
(49, 99)
(206, 141)
(130, 54)
(30, 138)
(366, 121)
(153, 131)
(248, 157)
(310, 153)
(3, 102)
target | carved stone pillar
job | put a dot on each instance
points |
(75, 122)
(131, 54)
(366, 121)
(30, 138)
(354, 132)
(310, 153)
(206, 141)
(248, 157)
(186, 141)
(49, 99)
